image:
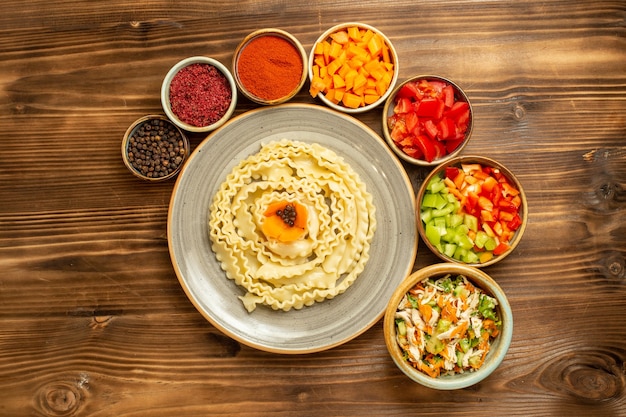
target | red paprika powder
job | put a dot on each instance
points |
(270, 67)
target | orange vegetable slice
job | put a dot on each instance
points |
(340, 36)
(285, 221)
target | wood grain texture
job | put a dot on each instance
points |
(93, 321)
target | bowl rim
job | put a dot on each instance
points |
(499, 347)
(269, 32)
(394, 79)
(485, 161)
(389, 108)
(165, 88)
(126, 138)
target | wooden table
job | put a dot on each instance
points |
(93, 321)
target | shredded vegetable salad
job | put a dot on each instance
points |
(446, 325)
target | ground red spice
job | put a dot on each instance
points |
(270, 67)
(200, 94)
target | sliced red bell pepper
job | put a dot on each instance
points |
(452, 172)
(501, 248)
(515, 223)
(508, 189)
(507, 205)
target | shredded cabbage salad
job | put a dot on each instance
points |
(446, 325)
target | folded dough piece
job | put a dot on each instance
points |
(340, 225)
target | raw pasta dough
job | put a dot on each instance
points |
(340, 225)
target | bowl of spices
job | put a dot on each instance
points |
(353, 67)
(154, 149)
(269, 66)
(199, 94)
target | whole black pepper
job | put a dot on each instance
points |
(288, 214)
(156, 148)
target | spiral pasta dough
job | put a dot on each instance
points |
(320, 194)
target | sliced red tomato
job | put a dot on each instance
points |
(457, 109)
(430, 107)
(431, 129)
(399, 130)
(429, 110)
(403, 105)
(452, 145)
(427, 147)
(413, 152)
(496, 194)
(463, 120)
(438, 86)
(412, 122)
(410, 90)
(407, 142)
(448, 96)
(440, 149)
(447, 128)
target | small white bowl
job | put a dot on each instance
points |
(165, 93)
(394, 58)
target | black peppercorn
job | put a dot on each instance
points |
(288, 215)
(155, 148)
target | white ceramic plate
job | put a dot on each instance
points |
(323, 325)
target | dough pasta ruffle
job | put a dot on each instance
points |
(340, 225)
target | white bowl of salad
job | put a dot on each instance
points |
(448, 326)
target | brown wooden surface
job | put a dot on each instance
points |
(93, 321)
